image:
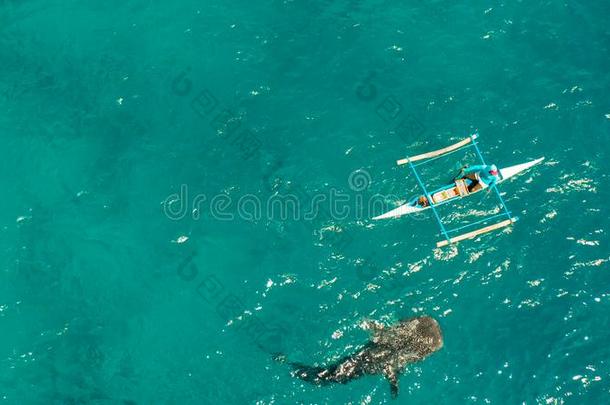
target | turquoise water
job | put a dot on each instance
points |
(131, 272)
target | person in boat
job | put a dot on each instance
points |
(476, 177)
(479, 176)
(422, 202)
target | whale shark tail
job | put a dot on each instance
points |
(325, 375)
(312, 374)
(279, 357)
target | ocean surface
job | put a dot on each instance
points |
(187, 191)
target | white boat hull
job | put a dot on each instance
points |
(404, 209)
(511, 171)
(505, 174)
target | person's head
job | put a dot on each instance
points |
(494, 170)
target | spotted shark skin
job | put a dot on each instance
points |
(389, 351)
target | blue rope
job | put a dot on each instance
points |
(506, 211)
(429, 197)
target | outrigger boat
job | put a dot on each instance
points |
(456, 191)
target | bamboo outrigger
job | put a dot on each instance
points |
(455, 191)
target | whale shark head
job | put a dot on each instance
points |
(411, 338)
(408, 341)
(423, 334)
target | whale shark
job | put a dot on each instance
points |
(388, 352)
